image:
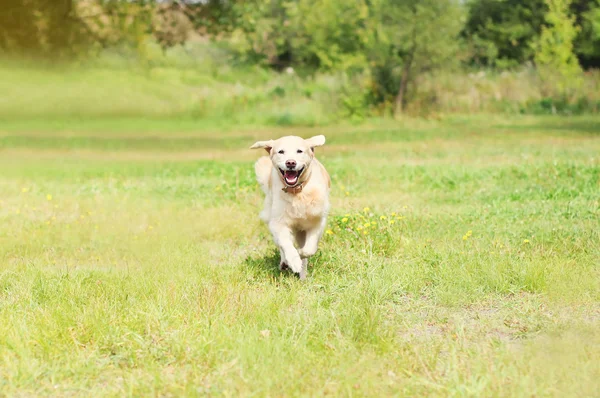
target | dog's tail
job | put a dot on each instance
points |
(263, 172)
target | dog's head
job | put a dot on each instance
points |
(291, 155)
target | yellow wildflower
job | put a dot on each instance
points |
(345, 219)
(329, 232)
(366, 210)
(526, 241)
(367, 225)
(365, 232)
(347, 193)
(382, 217)
(18, 211)
(359, 228)
(392, 222)
(393, 214)
(24, 190)
(49, 197)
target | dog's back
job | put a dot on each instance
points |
(263, 167)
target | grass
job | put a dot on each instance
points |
(462, 260)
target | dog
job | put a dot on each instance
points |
(296, 187)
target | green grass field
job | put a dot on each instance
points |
(462, 259)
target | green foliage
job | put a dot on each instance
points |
(406, 39)
(587, 44)
(554, 57)
(327, 34)
(500, 32)
(39, 28)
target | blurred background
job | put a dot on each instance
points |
(297, 62)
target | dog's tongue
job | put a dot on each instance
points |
(291, 177)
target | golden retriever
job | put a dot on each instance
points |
(296, 205)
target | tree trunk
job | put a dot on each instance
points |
(401, 96)
(406, 75)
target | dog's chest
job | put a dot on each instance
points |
(307, 207)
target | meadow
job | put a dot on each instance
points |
(461, 259)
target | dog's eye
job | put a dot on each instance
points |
(299, 151)
(281, 152)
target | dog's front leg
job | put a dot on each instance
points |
(282, 235)
(311, 243)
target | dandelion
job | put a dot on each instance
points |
(367, 225)
(382, 217)
(405, 207)
(24, 190)
(366, 232)
(329, 232)
(393, 214)
(346, 215)
(366, 210)
(345, 219)
(373, 223)
(217, 188)
(150, 227)
(392, 222)
(347, 193)
(47, 222)
(49, 197)
(18, 211)
(359, 228)
(526, 241)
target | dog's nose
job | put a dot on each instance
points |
(290, 164)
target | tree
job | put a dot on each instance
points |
(501, 32)
(554, 57)
(410, 38)
(587, 44)
(171, 25)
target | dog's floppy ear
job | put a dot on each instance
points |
(267, 145)
(317, 140)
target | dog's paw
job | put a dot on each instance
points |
(283, 266)
(295, 264)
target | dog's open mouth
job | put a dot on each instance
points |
(291, 176)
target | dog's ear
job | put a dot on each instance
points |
(267, 145)
(317, 140)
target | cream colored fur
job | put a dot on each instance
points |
(296, 220)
